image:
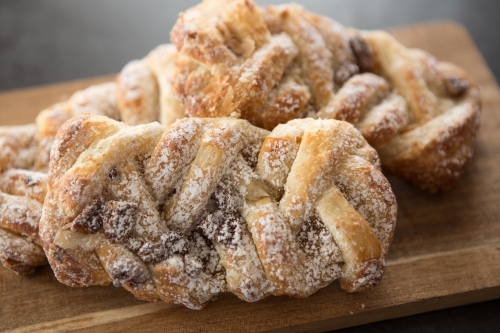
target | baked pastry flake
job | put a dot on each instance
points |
(272, 64)
(21, 197)
(216, 205)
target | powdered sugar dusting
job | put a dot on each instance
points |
(20, 214)
(15, 249)
(213, 223)
(22, 182)
(137, 94)
(18, 146)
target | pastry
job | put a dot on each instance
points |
(141, 91)
(436, 144)
(21, 198)
(145, 91)
(276, 63)
(24, 160)
(216, 205)
(18, 146)
(27, 147)
(272, 64)
(98, 99)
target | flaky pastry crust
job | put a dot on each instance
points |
(275, 63)
(216, 205)
(22, 193)
(141, 94)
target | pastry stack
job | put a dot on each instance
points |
(244, 157)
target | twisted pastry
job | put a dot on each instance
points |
(18, 146)
(230, 64)
(98, 99)
(145, 91)
(21, 197)
(24, 159)
(28, 146)
(272, 64)
(442, 118)
(216, 205)
(134, 99)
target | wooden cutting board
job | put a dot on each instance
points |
(446, 251)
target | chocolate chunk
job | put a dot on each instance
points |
(129, 271)
(251, 155)
(30, 181)
(224, 198)
(456, 86)
(222, 227)
(193, 265)
(229, 231)
(119, 220)
(153, 253)
(113, 173)
(175, 242)
(90, 219)
(171, 242)
(141, 162)
(362, 52)
(208, 226)
(202, 248)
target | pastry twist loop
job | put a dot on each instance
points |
(276, 63)
(216, 205)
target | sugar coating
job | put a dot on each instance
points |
(218, 223)
(18, 146)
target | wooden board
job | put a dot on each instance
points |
(446, 251)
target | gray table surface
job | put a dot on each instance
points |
(48, 41)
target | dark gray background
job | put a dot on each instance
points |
(48, 41)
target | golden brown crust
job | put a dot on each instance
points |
(215, 205)
(314, 57)
(367, 78)
(235, 67)
(20, 182)
(137, 94)
(21, 196)
(276, 63)
(98, 99)
(18, 146)
(244, 90)
(444, 108)
(19, 254)
(28, 147)
(161, 62)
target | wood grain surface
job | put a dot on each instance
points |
(446, 251)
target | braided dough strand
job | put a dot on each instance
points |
(421, 115)
(21, 197)
(186, 213)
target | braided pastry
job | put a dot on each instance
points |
(272, 64)
(216, 205)
(130, 99)
(21, 197)
(28, 146)
(18, 146)
(25, 152)
(145, 92)
(98, 99)
(441, 119)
